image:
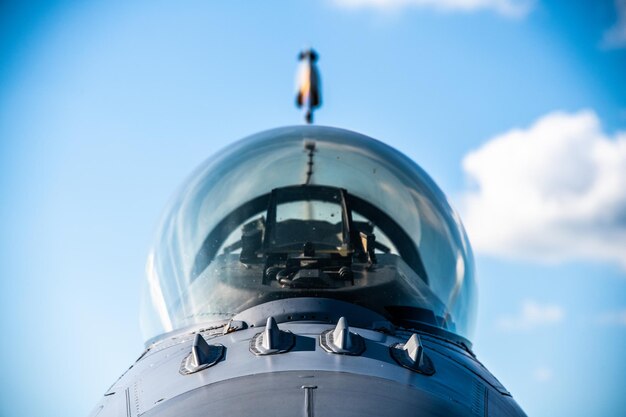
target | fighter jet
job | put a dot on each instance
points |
(309, 271)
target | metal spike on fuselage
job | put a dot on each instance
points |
(200, 351)
(341, 335)
(413, 348)
(271, 335)
(341, 340)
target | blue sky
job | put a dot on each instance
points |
(516, 108)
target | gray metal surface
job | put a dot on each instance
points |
(335, 394)
(371, 383)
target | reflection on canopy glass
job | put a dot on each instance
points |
(310, 212)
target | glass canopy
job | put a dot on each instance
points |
(309, 211)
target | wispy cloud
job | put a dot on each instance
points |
(543, 374)
(509, 8)
(615, 36)
(551, 192)
(613, 318)
(531, 316)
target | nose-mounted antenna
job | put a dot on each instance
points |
(309, 92)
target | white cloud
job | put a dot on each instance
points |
(543, 374)
(552, 192)
(510, 8)
(532, 315)
(615, 36)
(613, 318)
